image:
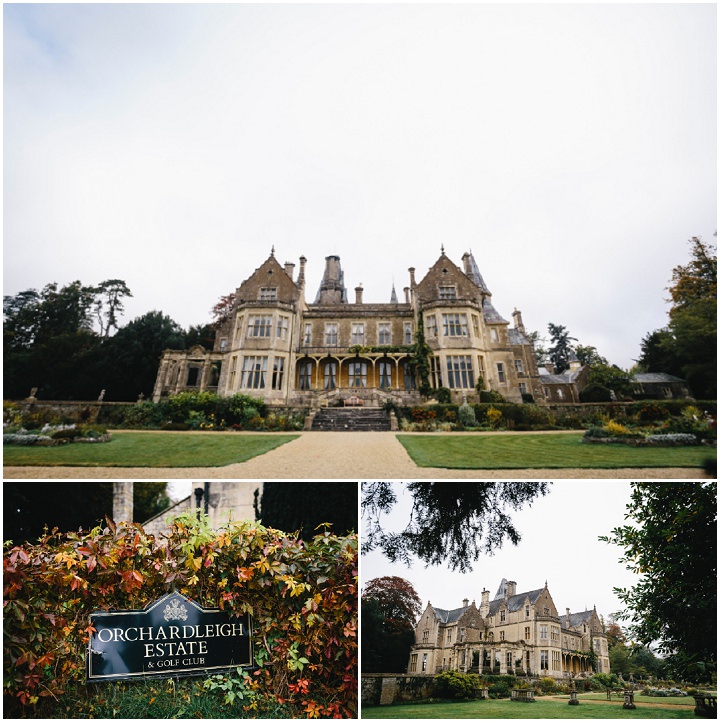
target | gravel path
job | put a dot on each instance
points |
(337, 455)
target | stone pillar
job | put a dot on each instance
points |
(122, 501)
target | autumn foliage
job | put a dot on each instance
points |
(302, 596)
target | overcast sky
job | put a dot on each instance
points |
(559, 545)
(572, 148)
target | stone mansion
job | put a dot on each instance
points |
(515, 632)
(275, 345)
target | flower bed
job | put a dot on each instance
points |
(55, 435)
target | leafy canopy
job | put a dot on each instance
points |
(671, 542)
(390, 606)
(451, 523)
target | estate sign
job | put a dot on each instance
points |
(171, 636)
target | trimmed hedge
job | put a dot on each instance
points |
(537, 417)
(302, 595)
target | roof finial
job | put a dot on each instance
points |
(442, 249)
(272, 251)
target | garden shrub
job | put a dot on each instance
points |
(302, 595)
(143, 415)
(547, 685)
(466, 415)
(494, 416)
(595, 393)
(499, 685)
(491, 397)
(442, 394)
(454, 684)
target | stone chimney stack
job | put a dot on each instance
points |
(290, 269)
(301, 275)
(407, 294)
(517, 318)
(466, 264)
(411, 271)
(466, 601)
(122, 501)
(485, 602)
(510, 590)
(358, 294)
(567, 617)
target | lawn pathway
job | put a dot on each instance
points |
(337, 455)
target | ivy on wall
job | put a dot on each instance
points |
(302, 595)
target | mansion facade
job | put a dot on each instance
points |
(520, 633)
(276, 345)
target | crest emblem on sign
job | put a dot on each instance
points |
(174, 611)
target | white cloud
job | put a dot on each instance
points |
(559, 545)
(572, 147)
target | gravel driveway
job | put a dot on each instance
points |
(337, 455)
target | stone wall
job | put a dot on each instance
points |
(86, 412)
(384, 689)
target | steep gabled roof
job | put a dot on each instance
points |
(476, 275)
(578, 618)
(445, 272)
(447, 616)
(491, 315)
(270, 273)
(515, 602)
(656, 378)
(517, 337)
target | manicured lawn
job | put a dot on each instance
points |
(542, 451)
(136, 448)
(542, 708)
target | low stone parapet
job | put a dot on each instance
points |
(522, 695)
(384, 689)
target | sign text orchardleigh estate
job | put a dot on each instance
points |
(171, 636)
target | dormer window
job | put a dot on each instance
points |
(447, 293)
(502, 615)
(268, 294)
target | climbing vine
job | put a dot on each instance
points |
(420, 361)
(302, 595)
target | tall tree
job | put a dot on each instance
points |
(201, 336)
(109, 304)
(658, 355)
(49, 341)
(539, 347)
(451, 523)
(130, 359)
(397, 598)
(560, 348)
(392, 606)
(693, 318)
(688, 346)
(303, 506)
(222, 309)
(29, 506)
(671, 542)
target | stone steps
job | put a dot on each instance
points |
(351, 419)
